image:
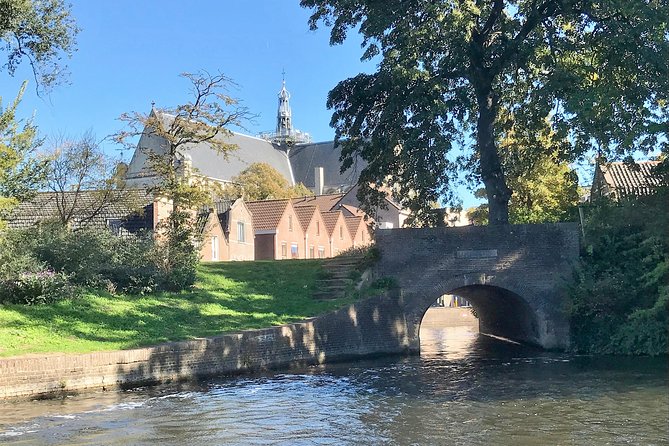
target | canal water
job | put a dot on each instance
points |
(464, 389)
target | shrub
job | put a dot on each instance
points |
(619, 299)
(31, 288)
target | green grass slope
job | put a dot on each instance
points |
(227, 297)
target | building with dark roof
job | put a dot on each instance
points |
(620, 180)
(123, 212)
(289, 151)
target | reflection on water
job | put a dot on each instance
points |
(463, 389)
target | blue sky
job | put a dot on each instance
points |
(131, 53)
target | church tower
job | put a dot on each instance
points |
(285, 135)
(284, 124)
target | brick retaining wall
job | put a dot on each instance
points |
(371, 327)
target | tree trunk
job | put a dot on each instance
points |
(491, 169)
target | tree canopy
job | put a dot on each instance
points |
(41, 31)
(260, 181)
(596, 71)
(21, 170)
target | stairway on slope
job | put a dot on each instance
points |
(341, 274)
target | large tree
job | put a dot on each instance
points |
(41, 31)
(260, 181)
(22, 170)
(206, 118)
(598, 71)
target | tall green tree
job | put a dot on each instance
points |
(545, 188)
(22, 171)
(41, 31)
(598, 71)
(260, 181)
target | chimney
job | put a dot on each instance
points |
(319, 180)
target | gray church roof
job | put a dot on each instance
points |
(304, 158)
(207, 161)
(249, 150)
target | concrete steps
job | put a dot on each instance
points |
(339, 276)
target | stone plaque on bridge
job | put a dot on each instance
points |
(476, 254)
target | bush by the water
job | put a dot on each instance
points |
(620, 299)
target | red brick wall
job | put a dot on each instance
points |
(316, 236)
(289, 232)
(240, 247)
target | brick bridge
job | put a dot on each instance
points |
(513, 275)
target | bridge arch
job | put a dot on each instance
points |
(501, 308)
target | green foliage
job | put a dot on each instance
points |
(596, 71)
(619, 302)
(32, 288)
(42, 31)
(24, 279)
(177, 254)
(260, 181)
(21, 171)
(544, 191)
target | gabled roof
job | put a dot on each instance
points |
(304, 215)
(353, 223)
(631, 179)
(267, 213)
(330, 219)
(324, 203)
(129, 206)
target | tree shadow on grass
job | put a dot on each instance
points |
(228, 297)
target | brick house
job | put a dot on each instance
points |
(277, 230)
(227, 228)
(619, 180)
(339, 237)
(316, 239)
(359, 231)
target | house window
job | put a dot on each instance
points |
(284, 250)
(214, 248)
(241, 236)
(321, 252)
(294, 250)
(115, 225)
(341, 233)
(311, 252)
(290, 223)
(318, 228)
(363, 235)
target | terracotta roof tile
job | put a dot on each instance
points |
(266, 213)
(353, 223)
(330, 219)
(304, 215)
(324, 202)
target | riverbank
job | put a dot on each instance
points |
(370, 327)
(228, 297)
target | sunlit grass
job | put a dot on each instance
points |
(227, 297)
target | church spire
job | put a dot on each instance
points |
(285, 135)
(284, 123)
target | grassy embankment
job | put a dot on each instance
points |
(227, 297)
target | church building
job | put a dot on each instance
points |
(288, 150)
